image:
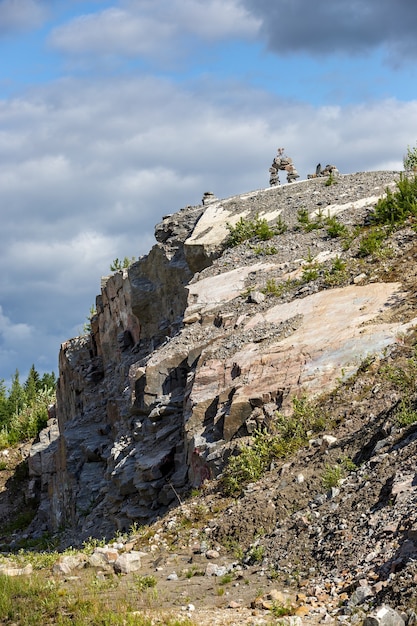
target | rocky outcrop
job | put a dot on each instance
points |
(180, 362)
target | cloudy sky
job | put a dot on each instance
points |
(114, 113)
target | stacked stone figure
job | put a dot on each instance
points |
(284, 163)
(329, 169)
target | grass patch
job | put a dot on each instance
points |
(274, 288)
(144, 582)
(282, 610)
(406, 414)
(265, 250)
(36, 601)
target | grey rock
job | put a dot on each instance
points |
(128, 562)
(384, 616)
(360, 595)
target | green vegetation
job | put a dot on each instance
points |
(331, 180)
(273, 288)
(403, 377)
(37, 600)
(118, 265)
(87, 324)
(311, 269)
(282, 610)
(289, 434)
(410, 159)
(265, 250)
(406, 414)
(226, 578)
(255, 554)
(334, 228)
(332, 475)
(144, 582)
(371, 242)
(337, 274)
(24, 408)
(306, 224)
(397, 206)
(257, 228)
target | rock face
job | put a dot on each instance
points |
(180, 362)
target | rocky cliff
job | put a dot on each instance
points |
(198, 344)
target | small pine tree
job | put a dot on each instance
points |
(16, 399)
(4, 406)
(31, 385)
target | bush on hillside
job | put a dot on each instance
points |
(258, 228)
(410, 159)
(397, 206)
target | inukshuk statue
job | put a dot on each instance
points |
(284, 163)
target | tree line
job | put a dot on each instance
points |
(24, 407)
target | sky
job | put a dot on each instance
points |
(116, 113)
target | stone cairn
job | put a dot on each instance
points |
(329, 170)
(283, 163)
(208, 198)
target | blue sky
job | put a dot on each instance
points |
(113, 114)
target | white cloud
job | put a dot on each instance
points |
(156, 29)
(10, 332)
(20, 15)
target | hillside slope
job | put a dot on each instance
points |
(199, 346)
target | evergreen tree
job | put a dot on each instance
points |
(31, 386)
(4, 406)
(16, 399)
(48, 381)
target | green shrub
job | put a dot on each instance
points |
(246, 229)
(117, 265)
(282, 610)
(280, 226)
(289, 434)
(371, 242)
(255, 554)
(144, 582)
(331, 180)
(337, 274)
(332, 476)
(406, 414)
(311, 269)
(265, 250)
(310, 273)
(410, 159)
(334, 228)
(397, 206)
(306, 223)
(273, 288)
(303, 218)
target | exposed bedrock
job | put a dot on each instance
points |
(184, 358)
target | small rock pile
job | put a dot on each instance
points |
(329, 170)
